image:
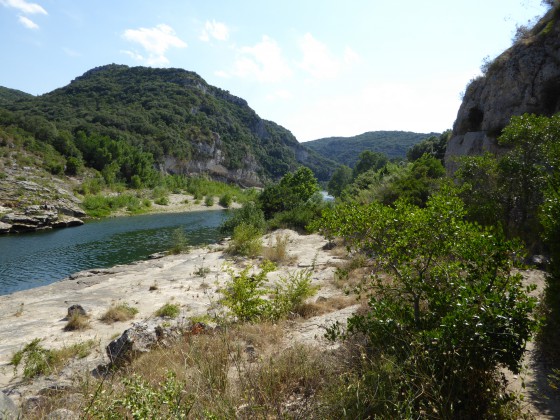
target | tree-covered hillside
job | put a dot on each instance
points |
(8, 96)
(169, 116)
(345, 150)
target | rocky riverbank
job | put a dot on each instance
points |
(191, 281)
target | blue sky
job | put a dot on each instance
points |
(317, 67)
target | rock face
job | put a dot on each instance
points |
(36, 218)
(8, 410)
(523, 79)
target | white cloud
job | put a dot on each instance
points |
(263, 62)
(216, 30)
(222, 74)
(28, 23)
(133, 55)
(156, 41)
(351, 57)
(24, 7)
(70, 52)
(317, 60)
(281, 94)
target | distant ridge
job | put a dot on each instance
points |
(345, 150)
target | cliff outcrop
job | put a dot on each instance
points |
(523, 79)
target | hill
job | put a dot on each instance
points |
(124, 119)
(8, 96)
(345, 150)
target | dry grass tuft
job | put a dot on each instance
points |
(77, 322)
(323, 306)
(277, 250)
(119, 313)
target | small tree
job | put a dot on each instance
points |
(369, 160)
(293, 190)
(341, 177)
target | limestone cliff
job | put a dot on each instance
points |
(523, 79)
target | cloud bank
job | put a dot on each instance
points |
(155, 41)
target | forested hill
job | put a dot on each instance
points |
(169, 115)
(8, 96)
(345, 150)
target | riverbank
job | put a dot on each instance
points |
(191, 280)
(182, 203)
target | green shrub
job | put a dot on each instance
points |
(209, 201)
(36, 359)
(452, 312)
(246, 240)
(291, 291)
(162, 201)
(139, 399)
(180, 241)
(245, 295)
(169, 310)
(226, 200)
(249, 214)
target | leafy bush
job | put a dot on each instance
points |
(445, 273)
(226, 200)
(293, 190)
(249, 214)
(209, 201)
(141, 400)
(290, 293)
(245, 295)
(36, 359)
(169, 310)
(246, 240)
(102, 206)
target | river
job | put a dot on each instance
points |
(36, 259)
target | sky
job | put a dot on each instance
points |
(320, 68)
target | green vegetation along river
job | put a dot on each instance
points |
(36, 259)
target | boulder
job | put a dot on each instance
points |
(8, 409)
(139, 339)
(5, 227)
(76, 309)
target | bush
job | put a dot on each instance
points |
(169, 310)
(246, 240)
(245, 295)
(226, 200)
(277, 251)
(249, 214)
(180, 242)
(139, 399)
(36, 359)
(451, 314)
(209, 201)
